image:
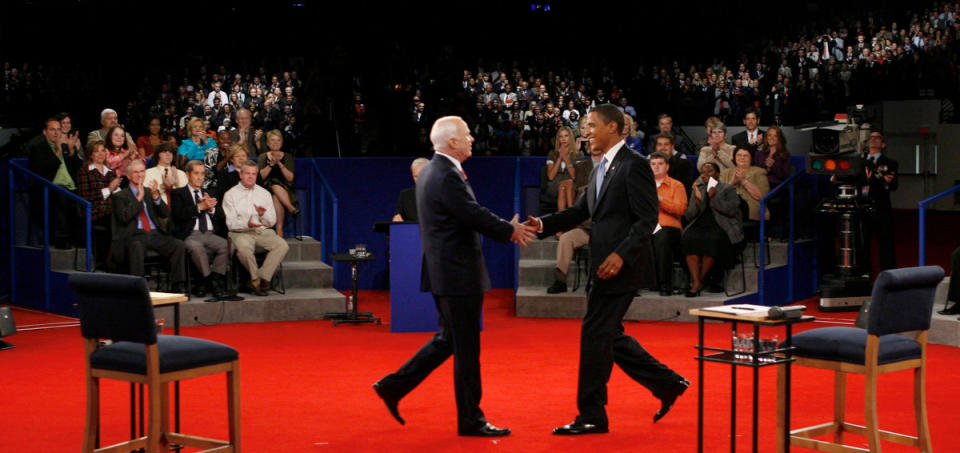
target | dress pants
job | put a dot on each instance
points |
(666, 246)
(459, 335)
(570, 242)
(197, 246)
(246, 241)
(881, 226)
(603, 343)
(138, 244)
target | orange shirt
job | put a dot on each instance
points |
(673, 202)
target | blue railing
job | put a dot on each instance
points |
(16, 167)
(790, 184)
(328, 245)
(923, 220)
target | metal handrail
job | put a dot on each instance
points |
(790, 184)
(47, 186)
(327, 189)
(923, 220)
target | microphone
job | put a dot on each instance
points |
(788, 312)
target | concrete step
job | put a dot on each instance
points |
(307, 274)
(534, 302)
(307, 249)
(547, 249)
(296, 305)
(67, 259)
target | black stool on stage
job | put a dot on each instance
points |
(351, 315)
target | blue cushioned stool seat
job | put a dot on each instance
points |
(176, 353)
(848, 344)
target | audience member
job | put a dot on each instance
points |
(713, 226)
(108, 119)
(229, 176)
(195, 147)
(198, 221)
(750, 182)
(165, 174)
(69, 137)
(154, 137)
(717, 149)
(560, 169)
(775, 158)
(97, 184)
(407, 203)
(137, 227)
(58, 165)
(752, 137)
(246, 134)
(879, 179)
(678, 166)
(250, 215)
(276, 175)
(120, 151)
(633, 137)
(216, 159)
(680, 141)
(673, 204)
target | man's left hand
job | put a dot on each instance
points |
(610, 267)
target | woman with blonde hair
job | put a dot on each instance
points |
(195, 147)
(276, 175)
(560, 169)
(229, 176)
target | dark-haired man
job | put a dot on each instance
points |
(679, 167)
(621, 199)
(681, 142)
(673, 203)
(49, 160)
(752, 137)
(879, 179)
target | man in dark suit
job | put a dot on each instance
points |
(681, 142)
(198, 221)
(407, 203)
(137, 227)
(621, 199)
(752, 137)
(879, 179)
(59, 165)
(680, 167)
(451, 222)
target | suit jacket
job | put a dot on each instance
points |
(126, 211)
(44, 163)
(879, 189)
(451, 222)
(682, 170)
(183, 209)
(725, 207)
(740, 139)
(407, 205)
(624, 214)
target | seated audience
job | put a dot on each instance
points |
(633, 138)
(195, 147)
(165, 173)
(229, 176)
(246, 134)
(750, 182)
(58, 165)
(216, 160)
(560, 169)
(276, 175)
(407, 203)
(97, 184)
(713, 226)
(673, 204)
(678, 166)
(681, 142)
(120, 152)
(717, 149)
(753, 137)
(69, 136)
(154, 137)
(139, 216)
(250, 215)
(198, 221)
(108, 119)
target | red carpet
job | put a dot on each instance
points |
(306, 388)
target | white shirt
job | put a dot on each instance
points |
(196, 225)
(156, 174)
(751, 136)
(238, 207)
(224, 98)
(612, 153)
(106, 190)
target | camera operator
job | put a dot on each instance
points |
(879, 179)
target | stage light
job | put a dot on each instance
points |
(844, 165)
(817, 164)
(830, 165)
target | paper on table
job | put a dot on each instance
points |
(712, 183)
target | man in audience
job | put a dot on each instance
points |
(108, 119)
(717, 149)
(245, 134)
(217, 93)
(879, 179)
(139, 215)
(407, 204)
(59, 165)
(681, 142)
(678, 166)
(673, 203)
(250, 217)
(752, 137)
(198, 221)
(164, 173)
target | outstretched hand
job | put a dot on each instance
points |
(533, 222)
(522, 233)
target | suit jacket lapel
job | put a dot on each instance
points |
(611, 171)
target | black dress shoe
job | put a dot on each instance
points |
(557, 287)
(953, 310)
(390, 400)
(486, 430)
(667, 400)
(579, 427)
(666, 293)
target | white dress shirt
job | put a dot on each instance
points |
(238, 207)
(156, 174)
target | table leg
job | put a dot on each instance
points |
(756, 380)
(700, 386)
(786, 411)
(733, 397)
(176, 385)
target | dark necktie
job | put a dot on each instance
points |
(202, 218)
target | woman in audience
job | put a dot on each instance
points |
(773, 156)
(560, 171)
(713, 226)
(119, 152)
(195, 147)
(229, 176)
(750, 182)
(631, 140)
(154, 137)
(165, 173)
(276, 175)
(96, 183)
(69, 137)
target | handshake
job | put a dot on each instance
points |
(524, 232)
